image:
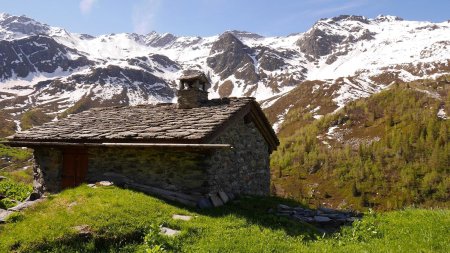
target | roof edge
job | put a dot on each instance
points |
(258, 117)
(117, 144)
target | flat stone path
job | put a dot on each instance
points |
(173, 232)
(326, 217)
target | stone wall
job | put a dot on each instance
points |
(244, 169)
(47, 170)
(181, 171)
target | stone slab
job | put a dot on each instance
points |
(204, 203)
(231, 196)
(181, 217)
(169, 232)
(24, 205)
(223, 196)
(321, 219)
(326, 210)
(285, 207)
(83, 229)
(215, 200)
(4, 214)
(104, 183)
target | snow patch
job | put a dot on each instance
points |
(280, 119)
(18, 127)
(442, 114)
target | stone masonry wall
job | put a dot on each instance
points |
(180, 171)
(244, 169)
(47, 170)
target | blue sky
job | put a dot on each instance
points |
(210, 17)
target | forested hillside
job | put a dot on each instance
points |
(387, 151)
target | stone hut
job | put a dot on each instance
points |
(185, 152)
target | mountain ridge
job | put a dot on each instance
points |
(352, 56)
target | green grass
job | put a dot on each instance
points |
(13, 191)
(119, 219)
(16, 164)
(15, 153)
(34, 117)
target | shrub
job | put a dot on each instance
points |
(154, 240)
(15, 217)
(6, 203)
(16, 191)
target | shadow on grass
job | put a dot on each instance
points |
(258, 211)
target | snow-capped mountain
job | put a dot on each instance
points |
(345, 58)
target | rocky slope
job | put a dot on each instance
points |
(338, 60)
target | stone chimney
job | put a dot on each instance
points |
(192, 90)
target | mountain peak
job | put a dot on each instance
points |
(21, 26)
(361, 19)
(388, 18)
(228, 39)
(155, 39)
(245, 34)
(3, 15)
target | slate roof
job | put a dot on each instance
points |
(162, 123)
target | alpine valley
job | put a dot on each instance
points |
(324, 90)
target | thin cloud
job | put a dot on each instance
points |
(336, 9)
(144, 15)
(315, 9)
(86, 6)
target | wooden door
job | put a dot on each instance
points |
(75, 165)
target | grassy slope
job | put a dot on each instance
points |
(7, 126)
(15, 163)
(409, 164)
(118, 220)
(34, 117)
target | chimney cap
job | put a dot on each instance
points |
(190, 75)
